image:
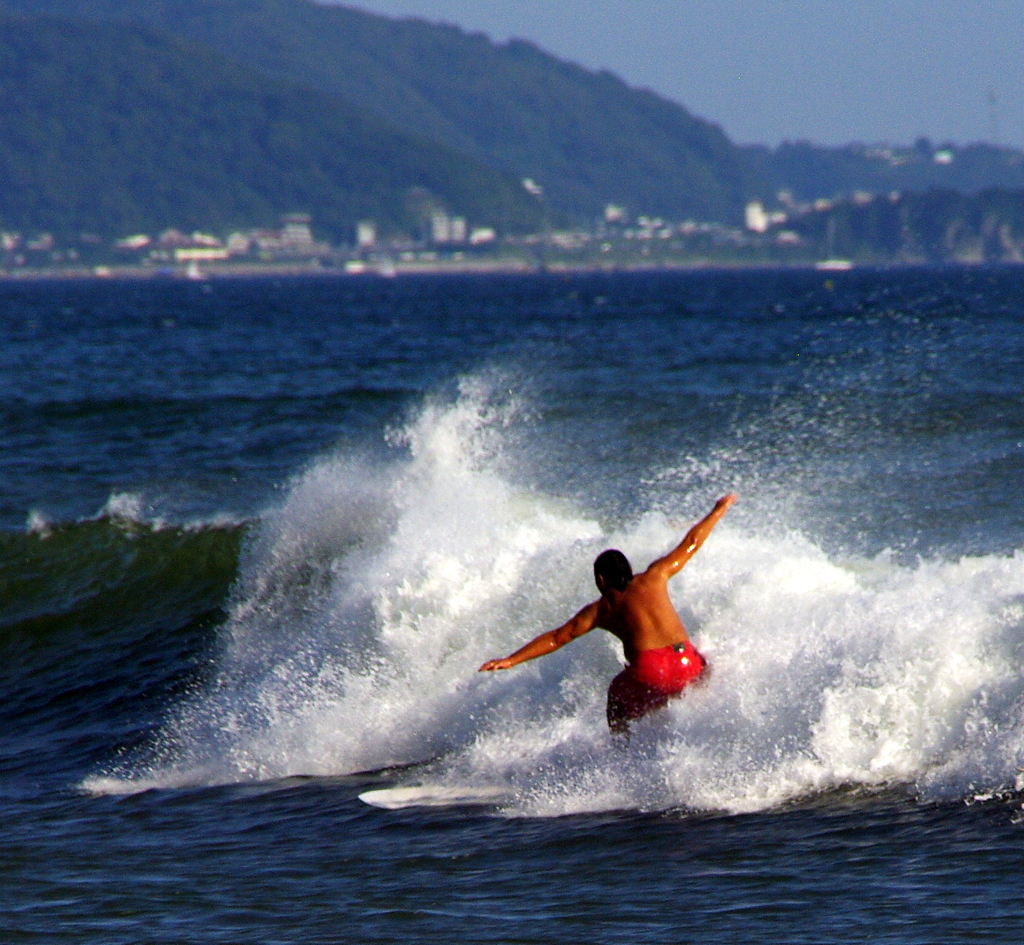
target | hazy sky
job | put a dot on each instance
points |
(771, 70)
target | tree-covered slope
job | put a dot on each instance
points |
(586, 137)
(115, 128)
(810, 171)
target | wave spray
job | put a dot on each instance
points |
(369, 597)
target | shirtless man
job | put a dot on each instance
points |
(661, 659)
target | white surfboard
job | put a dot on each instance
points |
(434, 795)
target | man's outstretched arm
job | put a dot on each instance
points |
(673, 562)
(583, 622)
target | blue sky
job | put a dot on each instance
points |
(773, 70)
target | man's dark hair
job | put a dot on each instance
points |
(613, 566)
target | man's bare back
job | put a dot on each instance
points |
(641, 616)
(638, 611)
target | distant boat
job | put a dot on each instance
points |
(194, 272)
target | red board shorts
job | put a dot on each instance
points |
(650, 681)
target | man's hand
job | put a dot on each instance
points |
(491, 665)
(721, 507)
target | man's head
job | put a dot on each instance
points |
(612, 571)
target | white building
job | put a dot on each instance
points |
(481, 235)
(296, 232)
(447, 229)
(366, 234)
(755, 217)
(613, 213)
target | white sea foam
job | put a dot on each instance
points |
(374, 592)
(127, 510)
(38, 524)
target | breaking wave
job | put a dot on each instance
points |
(369, 597)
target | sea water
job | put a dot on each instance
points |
(258, 536)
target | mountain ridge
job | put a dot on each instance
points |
(587, 138)
(458, 106)
(119, 127)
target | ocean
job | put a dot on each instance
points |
(256, 537)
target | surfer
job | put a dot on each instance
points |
(660, 658)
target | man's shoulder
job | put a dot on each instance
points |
(646, 587)
(654, 576)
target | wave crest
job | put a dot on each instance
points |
(370, 596)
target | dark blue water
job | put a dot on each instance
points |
(256, 536)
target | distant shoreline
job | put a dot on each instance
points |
(436, 268)
(149, 274)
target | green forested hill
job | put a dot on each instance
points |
(116, 128)
(810, 171)
(586, 137)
